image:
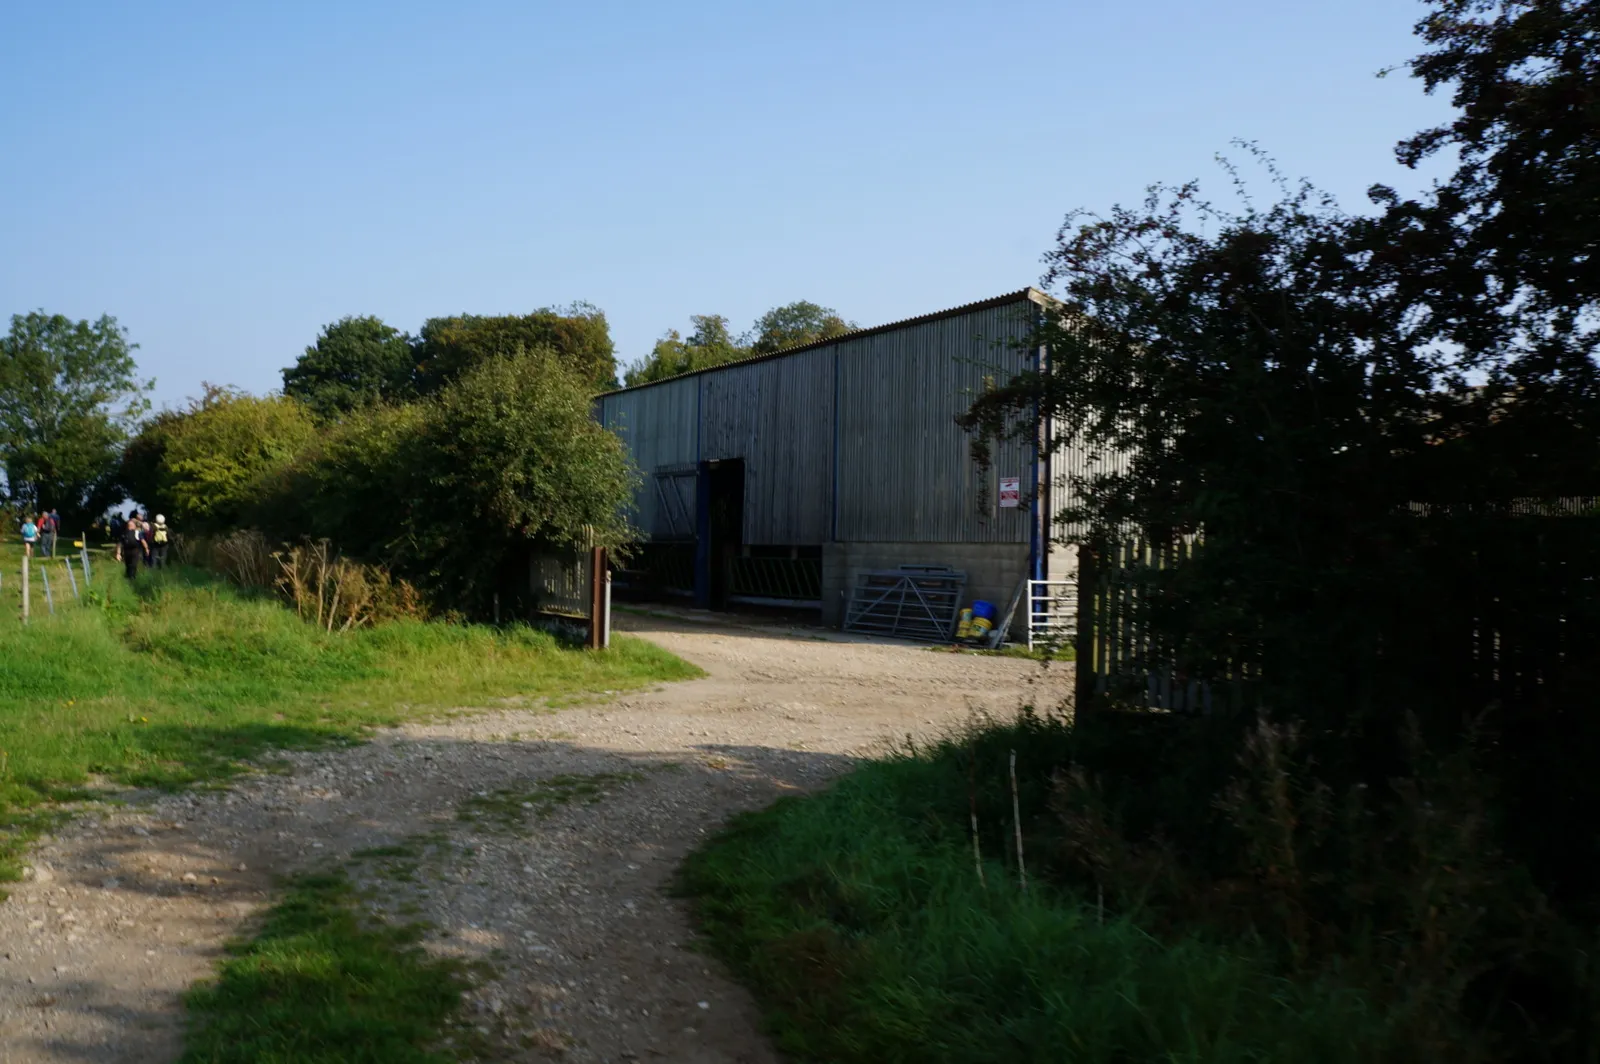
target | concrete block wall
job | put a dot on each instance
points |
(993, 569)
(1061, 563)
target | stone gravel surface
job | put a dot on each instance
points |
(539, 843)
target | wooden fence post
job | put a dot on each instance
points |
(25, 566)
(1083, 667)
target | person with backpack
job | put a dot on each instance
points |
(160, 539)
(133, 547)
(49, 526)
(30, 536)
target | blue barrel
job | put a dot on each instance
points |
(983, 609)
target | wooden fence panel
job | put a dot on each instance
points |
(1513, 620)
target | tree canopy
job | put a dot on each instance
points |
(69, 395)
(794, 324)
(210, 465)
(578, 336)
(355, 362)
(712, 344)
(1501, 257)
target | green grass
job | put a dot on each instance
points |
(858, 918)
(181, 678)
(321, 983)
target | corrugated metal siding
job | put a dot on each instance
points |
(903, 472)
(777, 415)
(904, 468)
(658, 425)
(1069, 464)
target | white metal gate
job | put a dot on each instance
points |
(1052, 612)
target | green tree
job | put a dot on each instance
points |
(578, 336)
(355, 362)
(219, 458)
(142, 471)
(794, 324)
(710, 344)
(1503, 255)
(69, 395)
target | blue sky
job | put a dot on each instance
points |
(225, 179)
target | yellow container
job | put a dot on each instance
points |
(964, 625)
(981, 627)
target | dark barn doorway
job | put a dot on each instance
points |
(721, 530)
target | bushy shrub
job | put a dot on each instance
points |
(453, 492)
(208, 466)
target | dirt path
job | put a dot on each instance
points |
(576, 821)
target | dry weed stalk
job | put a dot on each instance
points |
(337, 594)
(246, 558)
(1016, 821)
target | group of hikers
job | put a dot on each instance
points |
(139, 543)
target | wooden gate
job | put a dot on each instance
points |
(1121, 657)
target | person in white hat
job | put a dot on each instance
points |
(160, 539)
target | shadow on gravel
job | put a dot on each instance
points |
(144, 1036)
(346, 811)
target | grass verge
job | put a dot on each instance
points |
(320, 983)
(859, 919)
(180, 678)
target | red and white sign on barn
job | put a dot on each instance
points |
(1010, 492)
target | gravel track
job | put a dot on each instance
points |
(576, 820)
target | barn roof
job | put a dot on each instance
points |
(1029, 294)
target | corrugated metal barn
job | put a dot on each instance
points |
(781, 477)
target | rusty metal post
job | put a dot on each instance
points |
(605, 600)
(597, 568)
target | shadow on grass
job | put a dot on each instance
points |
(179, 755)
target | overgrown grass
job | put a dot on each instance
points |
(321, 983)
(859, 918)
(180, 678)
(1194, 893)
